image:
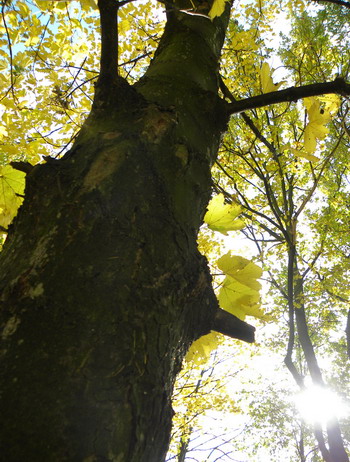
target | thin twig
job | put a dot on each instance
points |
(10, 51)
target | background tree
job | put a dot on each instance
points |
(102, 286)
(286, 191)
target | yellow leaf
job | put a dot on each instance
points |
(11, 188)
(87, 4)
(267, 84)
(305, 155)
(23, 9)
(239, 293)
(223, 217)
(217, 8)
(3, 132)
(32, 41)
(331, 101)
(236, 297)
(241, 269)
(315, 129)
(317, 114)
(200, 350)
(253, 309)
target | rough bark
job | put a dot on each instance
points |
(102, 286)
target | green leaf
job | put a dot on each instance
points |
(223, 217)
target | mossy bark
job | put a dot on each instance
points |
(102, 286)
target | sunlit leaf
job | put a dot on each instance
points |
(3, 132)
(234, 297)
(331, 102)
(200, 350)
(239, 293)
(267, 84)
(88, 4)
(11, 189)
(223, 217)
(315, 129)
(241, 269)
(305, 155)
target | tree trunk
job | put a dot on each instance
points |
(102, 286)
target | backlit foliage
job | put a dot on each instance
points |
(281, 181)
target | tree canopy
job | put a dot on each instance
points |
(279, 186)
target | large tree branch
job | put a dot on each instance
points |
(111, 89)
(336, 2)
(109, 39)
(338, 86)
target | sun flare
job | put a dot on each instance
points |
(318, 404)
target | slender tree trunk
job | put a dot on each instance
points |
(335, 452)
(181, 457)
(102, 286)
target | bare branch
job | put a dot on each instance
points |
(226, 92)
(317, 178)
(228, 324)
(338, 86)
(10, 51)
(22, 166)
(291, 367)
